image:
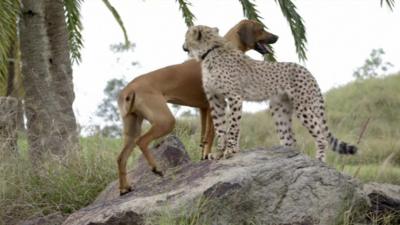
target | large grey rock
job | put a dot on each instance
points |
(263, 186)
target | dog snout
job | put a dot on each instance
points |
(184, 48)
(274, 38)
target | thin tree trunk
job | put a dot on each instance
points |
(39, 103)
(61, 72)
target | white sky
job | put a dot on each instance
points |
(341, 34)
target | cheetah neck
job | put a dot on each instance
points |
(208, 51)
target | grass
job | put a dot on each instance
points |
(65, 186)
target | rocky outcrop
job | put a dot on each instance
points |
(260, 186)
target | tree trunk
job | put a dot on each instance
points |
(8, 126)
(61, 73)
(39, 102)
(47, 78)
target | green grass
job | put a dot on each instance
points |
(68, 185)
(26, 191)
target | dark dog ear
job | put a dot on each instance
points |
(246, 35)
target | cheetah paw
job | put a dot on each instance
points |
(229, 153)
(215, 156)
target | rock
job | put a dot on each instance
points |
(384, 199)
(51, 219)
(259, 186)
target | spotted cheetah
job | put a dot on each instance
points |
(231, 77)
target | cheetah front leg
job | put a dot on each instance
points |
(232, 143)
(218, 106)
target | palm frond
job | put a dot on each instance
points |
(389, 3)
(9, 10)
(250, 11)
(296, 26)
(117, 17)
(186, 13)
(74, 26)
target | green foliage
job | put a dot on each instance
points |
(373, 66)
(250, 11)
(117, 17)
(186, 13)
(389, 3)
(108, 109)
(74, 26)
(295, 21)
(9, 10)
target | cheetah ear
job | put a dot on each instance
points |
(215, 29)
(246, 34)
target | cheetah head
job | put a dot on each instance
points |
(200, 39)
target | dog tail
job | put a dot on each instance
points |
(125, 103)
(341, 147)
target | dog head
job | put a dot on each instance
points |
(199, 39)
(252, 35)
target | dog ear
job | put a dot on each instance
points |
(246, 34)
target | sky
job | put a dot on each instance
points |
(340, 33)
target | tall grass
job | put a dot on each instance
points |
(56, 185)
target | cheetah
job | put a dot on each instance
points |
(231, 77)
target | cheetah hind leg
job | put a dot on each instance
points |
(313, 125)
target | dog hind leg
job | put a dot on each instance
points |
(132, 127)
(162, 122)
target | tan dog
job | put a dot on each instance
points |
(146, 97)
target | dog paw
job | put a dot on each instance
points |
(157, 172)
(124, 191)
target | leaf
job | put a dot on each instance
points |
(389, 3)
(9, 10)
(117, 17)
(186, 13)
(74, 26)
(296, 26)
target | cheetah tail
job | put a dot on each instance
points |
(341, 147)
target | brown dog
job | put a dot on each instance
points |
(146, 97)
